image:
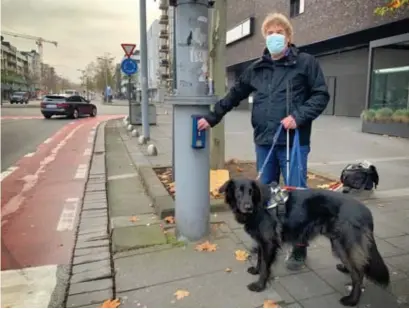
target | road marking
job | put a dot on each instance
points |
(30, 181)
(47, 141)
(87, 152)
(67, 218)
(8, 172)
(81, 171)
(28, 287)
(91, 136)
(29, 155)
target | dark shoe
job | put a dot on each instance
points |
(296, 261)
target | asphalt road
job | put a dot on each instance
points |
(22, 135)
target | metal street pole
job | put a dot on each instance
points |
(130, 95)
(191, 147)
(144, 69)
(174, 86)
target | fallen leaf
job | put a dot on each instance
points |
(228, 270)
(311, 176)
(134, 219)
(268, 303)
(239, 169)
(323, 186)
(180, 294)
(170, 219)
(241, 255)
(111, 303)
(171, 187)
(206, 246)
(232, 161)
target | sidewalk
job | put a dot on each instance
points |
(150, 265)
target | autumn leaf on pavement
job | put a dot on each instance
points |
(270, 304)
(323, 186)
(134, 219)
(241, 255)
(206, 246)
(169, 219)
(171, 187)
(180, 294)
(239, 169)
(111, 303)
(311, 176)
(228, 270)
(232, 161)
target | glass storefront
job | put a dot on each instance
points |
(390, 88)
(390, 77)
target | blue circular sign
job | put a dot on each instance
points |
(129, 66)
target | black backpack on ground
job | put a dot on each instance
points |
(359, 176)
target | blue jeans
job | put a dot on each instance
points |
(277, 163)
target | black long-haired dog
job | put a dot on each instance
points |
(272, 216)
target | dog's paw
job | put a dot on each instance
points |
(253, 270)
(256, 286)
(348, 301)
(342, 268)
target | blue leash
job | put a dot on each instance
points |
(275, 138)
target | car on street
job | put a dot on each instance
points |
(73, 106)
(20, 97)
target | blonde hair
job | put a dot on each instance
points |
(279, 20)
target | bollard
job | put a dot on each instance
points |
(142, 140)
(191, 148)
(152, 150)
(134, 133)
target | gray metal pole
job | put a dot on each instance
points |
(192, 180)
(130, 97)
(144, 69)
(174, 86)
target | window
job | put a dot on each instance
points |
(390, 88)
(296, 7)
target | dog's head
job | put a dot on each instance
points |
(244, 196)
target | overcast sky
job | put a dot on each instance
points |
(84, 29)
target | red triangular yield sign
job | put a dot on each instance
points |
(128, 48)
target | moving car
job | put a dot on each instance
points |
(20, 97)
(71, 106)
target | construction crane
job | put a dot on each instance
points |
(39, 41)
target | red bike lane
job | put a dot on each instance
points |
(41, 198)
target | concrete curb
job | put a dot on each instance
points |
(92, 277)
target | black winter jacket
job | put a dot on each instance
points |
(268, 80)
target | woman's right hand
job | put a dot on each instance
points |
(202, 124)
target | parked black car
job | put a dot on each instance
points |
(71, 106)
(19, 97)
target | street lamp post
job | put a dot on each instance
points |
(106, 59)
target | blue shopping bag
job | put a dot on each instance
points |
(296, 168)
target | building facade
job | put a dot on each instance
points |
(14, 70)
(365, 58)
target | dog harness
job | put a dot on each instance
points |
(278, 200)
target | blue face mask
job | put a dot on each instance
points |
(275, 43)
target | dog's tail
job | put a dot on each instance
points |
(376, 268)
